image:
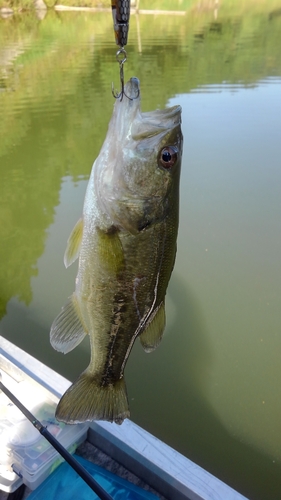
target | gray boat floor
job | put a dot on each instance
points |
(93, 454)
(98, 457)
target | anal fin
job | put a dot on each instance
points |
(152, 335)
(67, 330)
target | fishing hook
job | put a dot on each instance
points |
(121, 57)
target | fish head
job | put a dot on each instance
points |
(137, 173)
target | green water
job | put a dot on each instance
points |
(212, 389)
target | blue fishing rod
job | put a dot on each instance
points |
(81, 471)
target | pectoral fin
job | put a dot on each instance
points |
(73, 244)
(110, 251)
(152, 335)
(67, 331)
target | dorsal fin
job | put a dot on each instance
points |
(73, 244)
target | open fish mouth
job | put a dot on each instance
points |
(129, 121)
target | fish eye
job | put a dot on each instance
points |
(168, 156)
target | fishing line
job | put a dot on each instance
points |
(81, 471)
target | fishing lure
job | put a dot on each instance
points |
(121, 16)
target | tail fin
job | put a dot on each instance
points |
(87, 400)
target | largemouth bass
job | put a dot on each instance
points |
(126, 242)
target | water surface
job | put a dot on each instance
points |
(212, 389)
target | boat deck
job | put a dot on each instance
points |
(127, 450)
